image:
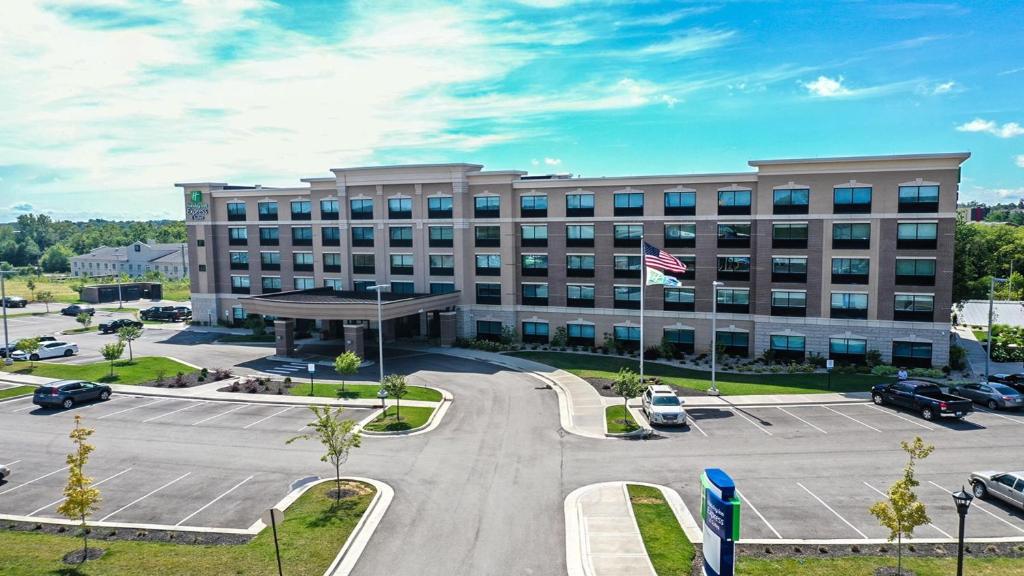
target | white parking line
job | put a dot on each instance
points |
(1014, 420)
(802, 420)
(763, 519)
(692, 421)
(55, 502)
(12, 463)
(755, 424)
(193, 405)
(852, 418)
(900, 416)
(212, 502)
(133, 408)
(29, 406)
(224, 413)
(882, 494)
(813, 495)
(978, 506)
(246, 427)
(136, 501)
(33, 480)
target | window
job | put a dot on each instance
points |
(334, 284)
(301, 210)
(787, 347)
(735, 300)
(302, 261)
(486, 207)
(734, 201)
(680, 299)
(302, 235)
(915, 272)
(488, 293)
(914, 307)
(363, 264)
(855, 200)
(330, 236)
(849, 305)
(487, 236)
(627, 266)
(239, 284)
(271, 284)
(400, 236)
(403, 287)
(332, 262)
(680, 203)
(847, 349)
(850, 270)
(735, 343)
(239, 260)
(362, 285)
(691, 267)
(914, 354)
(580, 265)
(680, 339)
(627, 297)
(329, 210)
(533, 206)
(734, 235)
(267, 210)
(199, 242)
(439, 207)
(789, 235)
(919, 198)
(361, 209)
(270, 260)
(303, 283)
(237, 314)
(579, 295)
(236, 210)
(627, 336)
(488, 264)
(579, 235)
(789, 269)
(580, 334)
(442, 287)
(789, 303)
(442, 265)
(790, 200)
(535, 235)
(734, 267)
(363, 236)
(399, 208)
(628, 235)
(680, 235)
(921, 235)
(535, 294)
(441, 236)
(269, 237)
(535, 332)
(629, 204)
(487, 330)
(401, 264)
(535, 264)
(851, 235)
(579, 205)
(238, 236)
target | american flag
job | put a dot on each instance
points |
(657, 258)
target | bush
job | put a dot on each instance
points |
(652, 353)
(926, 372)
(768, 356)
(560, 337)
(884, 370)
(956, 357)
(816, 360)
(221, 374)
(872, 358)
(179, 380)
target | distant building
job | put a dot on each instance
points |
(975, 313)
(171, 260)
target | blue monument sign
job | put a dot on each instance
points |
(720, 514)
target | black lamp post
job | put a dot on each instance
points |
(962, 499)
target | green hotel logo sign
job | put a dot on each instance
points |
(197, 196)
(195, 209)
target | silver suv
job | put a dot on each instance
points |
(1007, 486)
(662, 406)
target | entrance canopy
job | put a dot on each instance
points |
(329, 304)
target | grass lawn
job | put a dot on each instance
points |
(670, 551)
(590, 366)
(354, 391)
(81, 330)
(412, 417)
(116, 309)
(980, 335)
(246, 338)
(619, 420)
(865, 566)
(313, 532)
(16, 391)
(61, 289)
(143, 369)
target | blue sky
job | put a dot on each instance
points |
(107, 103)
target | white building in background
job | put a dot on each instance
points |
(136, 259)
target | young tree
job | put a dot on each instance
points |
(127, 334)
(337, 436)
(80, 497)
(347, 364)
(901, 511)
(396, 387)
(31, 285)
(84, 319)
(628, 385)
(256, 324)
(46, 297)
(111, 352)
(29, 346)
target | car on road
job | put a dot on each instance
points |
(48, 350)
(115, 325)
(992, 394)
(67, 393)
(14, 345)
(14, 302)
(1006, 486)
(166, 313)
(923, 397)
(5, 471)
(75, 310)
(662, 406)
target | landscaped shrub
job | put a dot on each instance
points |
(179, 380)
(956, 357)
(873, 358)
(884, 370)
(816, 360)
(652, 353)
(221, 373)
(926, 372)
(560, 337)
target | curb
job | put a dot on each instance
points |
(433, 422)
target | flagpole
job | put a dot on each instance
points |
(643, 283)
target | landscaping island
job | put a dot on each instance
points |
(619, 420)
(16, 391)
(254, 385)
(144, 370)
(413, 417)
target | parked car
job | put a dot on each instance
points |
(48, 350)
(5, 471)
(14, 302)
(992, 394)
(76, 309)
(67, 393)
(1015, 381)
(166, 313)
(662, 406)
(115, 325)
(923, 397)
(14, 345)
(1006, 486)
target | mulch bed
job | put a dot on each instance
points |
(188, 380)
(134, 534)
(79, 556)
(253, 385)
(604, 388)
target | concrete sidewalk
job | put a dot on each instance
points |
(976, 354)
(608, 536)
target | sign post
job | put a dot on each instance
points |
(720, 514)
(273, 516)
(382, 394)
(311, 368)
(829, 365)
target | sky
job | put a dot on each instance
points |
(105, 104)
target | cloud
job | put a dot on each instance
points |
(1020, 160)
(1011, 71)
(992, 195)
(552, 161)
(826, 87)
(666, 18)
(944, 87)
(1007, 130)
(22, 207)
(692, 42)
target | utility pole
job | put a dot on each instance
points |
(3, 300)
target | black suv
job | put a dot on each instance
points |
(75, 310)
(115, 325)
(14, 302)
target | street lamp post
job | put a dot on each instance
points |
(714, 333)
(3, 302)
(380, 329)
(988, 341)
(962, 499)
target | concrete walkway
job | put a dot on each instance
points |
(975, 354)
(609, 538)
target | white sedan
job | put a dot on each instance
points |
(48, 350)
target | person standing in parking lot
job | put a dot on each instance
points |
(902, 374)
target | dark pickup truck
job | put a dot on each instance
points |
(923, 397)
(166, 313)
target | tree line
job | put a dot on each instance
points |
(984, 251)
